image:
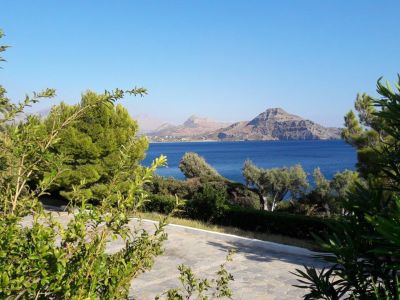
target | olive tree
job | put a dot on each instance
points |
(193, 165)
(273, 185)
(322, 189)
(328, 195)
(341, 184)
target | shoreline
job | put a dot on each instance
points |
(234, 141)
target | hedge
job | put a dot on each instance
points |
(298, 226)
(160, 203)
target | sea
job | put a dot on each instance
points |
(227, 158)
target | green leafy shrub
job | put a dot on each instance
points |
(193, 165)
(364, 249)
(297, 226)
(241, 195)
(211, 206)
(184, 189)
(211, 203)
(207, 204)
(327, 197)
(237, 193)
(91, 146)
(39, 257)
(198, 174)
(164, 204)
(49, 261)
(201, 289)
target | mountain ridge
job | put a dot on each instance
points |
(193, 126)
(272, 124)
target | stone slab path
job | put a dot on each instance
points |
(261, 269)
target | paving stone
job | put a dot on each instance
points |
(261, 269)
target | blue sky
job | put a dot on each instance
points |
(228, 60)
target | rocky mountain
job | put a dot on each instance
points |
(272, 124)
(192, 127)
(276, 124)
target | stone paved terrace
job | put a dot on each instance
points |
(261, 269)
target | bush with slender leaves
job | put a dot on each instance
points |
(201, 288)
(39, 257)
(365, 246)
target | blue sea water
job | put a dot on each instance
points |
(228, 157)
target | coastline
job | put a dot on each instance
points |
(227, 157)
(233, 141)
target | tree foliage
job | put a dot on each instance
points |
(193, 165)
(329, 195)
(342, 183)
(375, 134)
(236, 193)
(274, 184)
(92, 146)
(208, 204)
(365, 260)
(33, 263)
(39, 257)
(319, 198)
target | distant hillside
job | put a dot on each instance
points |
(276, 124)
(147, 123)
(194, 126)
(273, 124)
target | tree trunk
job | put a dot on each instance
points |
(263, 202)
(266, 207)
(327, 209)
(273, 205)
(274, 202)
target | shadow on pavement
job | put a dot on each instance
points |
(257, 251)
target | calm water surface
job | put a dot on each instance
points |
(228, 157)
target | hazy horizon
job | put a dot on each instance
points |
(225, 60)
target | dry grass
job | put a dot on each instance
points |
(276, 238)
